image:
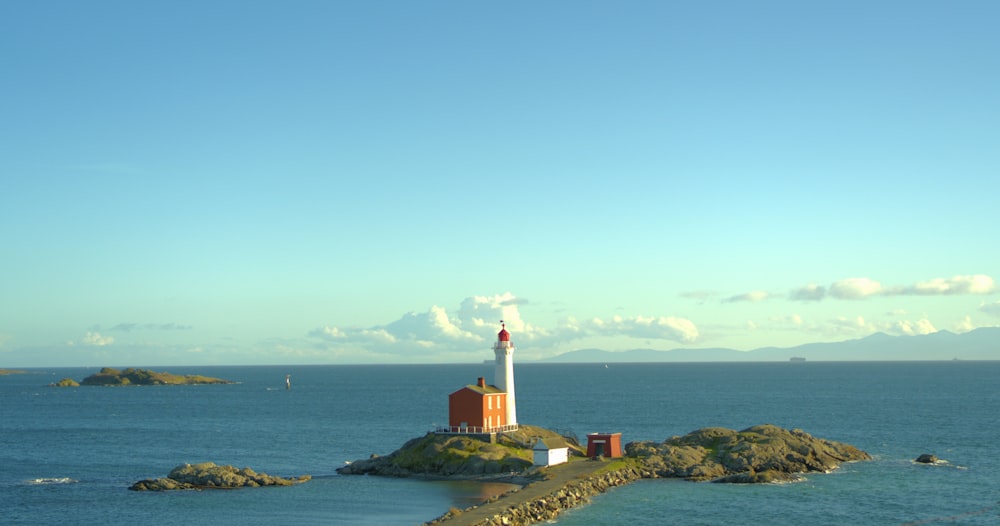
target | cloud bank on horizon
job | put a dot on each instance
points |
(470, 327)
(466, 332)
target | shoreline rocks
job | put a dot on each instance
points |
(758, 454)
(548, 507)
(208, 475)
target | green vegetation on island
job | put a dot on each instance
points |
(10, 371)
(114, 377)
(763, 453)
(459, 456)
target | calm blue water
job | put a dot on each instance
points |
(68, 455)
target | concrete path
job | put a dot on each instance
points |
(559, 476)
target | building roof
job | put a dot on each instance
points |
(549, 443)
(489, 389)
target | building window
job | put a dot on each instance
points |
(489, 401)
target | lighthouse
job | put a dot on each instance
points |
(503, 376)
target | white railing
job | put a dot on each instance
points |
(474, 430)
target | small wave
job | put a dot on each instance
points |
(938, 462)
(52, 480)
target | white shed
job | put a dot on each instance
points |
(550, 451)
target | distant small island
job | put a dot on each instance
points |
(10, 371)
(113, 377)
(208, 475)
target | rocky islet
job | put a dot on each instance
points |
(208, 475)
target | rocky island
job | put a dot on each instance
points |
(763, 453)
(207, 475)
(459, 456)
(759, 454)
(131, 376)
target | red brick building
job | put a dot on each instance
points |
(604, 445)
(477, 408)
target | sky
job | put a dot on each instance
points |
(263, 182)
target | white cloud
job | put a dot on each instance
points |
(374, 336)
(854, 324)
(861, 288)
(793, 319)
(976, 284)
(993, 309)
(95, 339)
(661, 328)
(700, 295)
(965, 325)
(921, 326)
(473, 326)
(487, 311)
(129, 327)
(810, 292)
(469, 329)
(858, 326)
(855, 288)
(330, 333)
(433, 325)
(753, 296)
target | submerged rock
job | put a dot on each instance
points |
(207, 475)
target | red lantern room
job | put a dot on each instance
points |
(503, 335)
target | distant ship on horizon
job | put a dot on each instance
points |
(796, 359)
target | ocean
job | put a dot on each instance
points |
(68, 455)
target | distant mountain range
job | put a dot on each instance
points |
(979, 344)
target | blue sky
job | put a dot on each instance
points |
(334, 182)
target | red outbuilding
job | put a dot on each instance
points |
(478, 408)
(604, 445)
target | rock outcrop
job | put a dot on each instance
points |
(927, 458)
(66, 382)
(207, 475)
(763, 453)
(130, 376)
(459, 456)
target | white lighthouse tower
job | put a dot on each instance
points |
(503, 376)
